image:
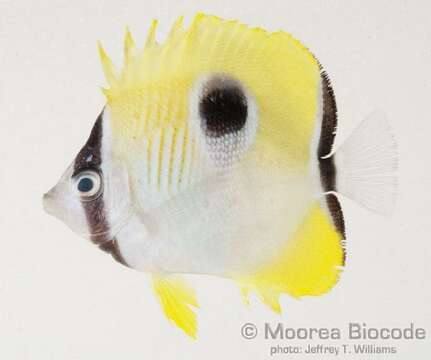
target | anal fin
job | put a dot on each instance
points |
(309, 265)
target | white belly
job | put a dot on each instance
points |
(228, 226)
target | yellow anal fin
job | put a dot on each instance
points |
(176, 298)
(309, 264)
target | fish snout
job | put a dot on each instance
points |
(48, 201)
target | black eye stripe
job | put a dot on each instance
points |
(90, 158)
(223, 108)
(90, 155)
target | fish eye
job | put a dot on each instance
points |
(87, 184)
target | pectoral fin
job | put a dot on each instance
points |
(177, 298)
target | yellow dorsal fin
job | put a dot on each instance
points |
(151, 38)
(176, 27)
(159, 79)
(129, 47)
(176, 298)
(310, 264)
(108, 66)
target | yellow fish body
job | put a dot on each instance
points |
(213, 155)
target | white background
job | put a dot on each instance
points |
(62, 298)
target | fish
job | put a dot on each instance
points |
(215, 155)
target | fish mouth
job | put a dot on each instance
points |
(48, 203)
(52, 205)
(105, 240)
(45, 200)
(69, 212)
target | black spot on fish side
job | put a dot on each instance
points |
(223, 110)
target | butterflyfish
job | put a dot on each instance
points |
(214, 154)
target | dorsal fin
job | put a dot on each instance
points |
(108, 67)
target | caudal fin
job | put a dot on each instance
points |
(367, 164)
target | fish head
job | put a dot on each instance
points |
(92, 196)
